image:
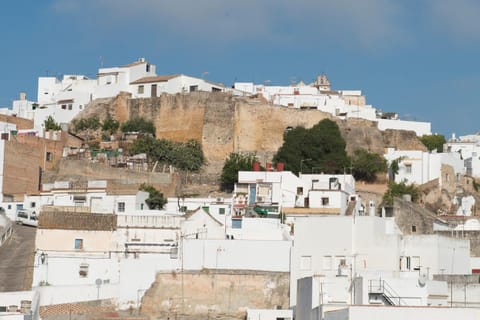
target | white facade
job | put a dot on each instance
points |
(268, 314)
(415, 166)
(122, 263)
(340, 103)
(420, 128)
(148, 87)
(401, 313)
(338, 249)
(283, 192)
(64, 98)
(19, 305)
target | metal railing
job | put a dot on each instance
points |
(381, 287)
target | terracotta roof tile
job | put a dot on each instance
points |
(155, 79)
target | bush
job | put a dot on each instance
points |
(433, 142)
(155, 201)
(366, 165)
(322, 145)
(50, 124)
(234, 163)
(183, 155)
(396, 190)
(138, 124)
(110, 126)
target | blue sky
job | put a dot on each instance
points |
(416, 57)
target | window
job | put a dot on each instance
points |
(32, 204)
(305, 262)
(415, 263)
(121, 207)
(78, 244)
(193, 88)
(325, 201)
(49, 156)
(236, 223)
(408, 168)
(22, 214)
(342, 262)
(9, 207)
(141, 89)
(83, 272)
(414, 228)
(64, 107)
(299, 191)
(327, 263)
(4, 136)
(221, 211)
(70, 106)
(147, 68)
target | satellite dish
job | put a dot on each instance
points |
(98, 282)
(422, 280)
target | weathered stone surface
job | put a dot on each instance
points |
(214, 294)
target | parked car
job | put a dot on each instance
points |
(27, 217)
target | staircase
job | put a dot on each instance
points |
(350, 208)
(381, 291)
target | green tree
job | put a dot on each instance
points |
(51, 124)
(183, 155)
(320, 149)
(393, 168)
(110, 126)
(433, 142)
(92, 123)
(366, 165)
(138, 124)
(155, 199)
(398, 189)
(234, 163)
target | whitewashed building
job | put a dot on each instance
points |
(366, 260)
(420, 167)
(154, 86)
(340, 103)
(82, 254)
(275, 192)
(64, 98)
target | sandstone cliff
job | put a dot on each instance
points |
(225, 124)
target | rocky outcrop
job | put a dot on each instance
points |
(224, 124)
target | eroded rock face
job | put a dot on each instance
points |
(225, 124)
(214, 293)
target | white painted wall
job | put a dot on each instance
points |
(420, 128)
(366, 246)
(439, 254)
(417, 167)
(231, 254)
(401, 313)
(15, 298)
(269, 314)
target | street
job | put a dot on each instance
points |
(16, 260)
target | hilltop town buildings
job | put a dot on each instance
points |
(306, 243)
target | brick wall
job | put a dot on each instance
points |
(21, 169)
